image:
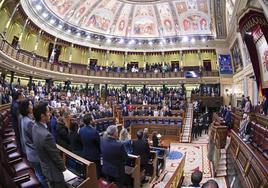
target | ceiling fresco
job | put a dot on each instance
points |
(133, 18)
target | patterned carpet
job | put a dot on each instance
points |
(196, 159)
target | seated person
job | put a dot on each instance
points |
(245, 128)
(196, 178)
(114, 157)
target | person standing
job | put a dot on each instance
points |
(26, 110)
(90, 140)
(51, 163)
(114, 157)
(16, 97)
(264, 105)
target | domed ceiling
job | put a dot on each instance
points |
(128, 18)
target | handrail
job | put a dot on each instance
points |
(81, 69)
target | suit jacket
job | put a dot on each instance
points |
(27, 139)
(90, 139)
(51, 163)
(265, 107)
(227, 117)
(141, 148)
(114, 157)
(63, 137)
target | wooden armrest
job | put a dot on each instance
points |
(7, 141)
(15, 161)
(21, 179)
(22, 176)
(11, 150)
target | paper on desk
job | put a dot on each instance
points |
(68, 175)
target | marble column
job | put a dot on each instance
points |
(22, 32)
(245, 86)
(10, 19)
(37, 41)
(12, 73)
(52, 56)
(71, 54)
(107, 57)
(125, 60)
(144, 59)
(264, 5)
(255, 93)
(89, 56)
(242, 49)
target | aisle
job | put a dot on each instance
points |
(196, 159)
(187, 127)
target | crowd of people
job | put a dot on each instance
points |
(67, 118)
(207, 90)
(33, 127)
(149, 68)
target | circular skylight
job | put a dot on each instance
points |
(123, 18)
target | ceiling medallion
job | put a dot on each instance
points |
(142, 1)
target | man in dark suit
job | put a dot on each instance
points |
(51, 162)
(141, 148)
(90, 140)
(264, 105)
(228, 118)
(114, 157)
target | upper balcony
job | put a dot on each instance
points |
(28, 63)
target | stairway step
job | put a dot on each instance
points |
(221, 173)
(222, 167)
(222, 162)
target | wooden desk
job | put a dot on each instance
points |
(249, 161)
(170, 179)
(91, 177)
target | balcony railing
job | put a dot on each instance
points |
(34, 60)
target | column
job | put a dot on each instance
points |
(3, 75)
(182, 63)
(22, 32)
(107, 57)
(255, 93)
(144, 59)
(10, 19)
(49, 83)
(125, 60)
(70, 55)
(86, 89)
(199, 60)
(264, 7)
(89, 56)
(30, 82)
(37, 41)
(105, 90)
(125, 88)
(162, 58)
(11, 77)
(245, 86)
(1, 3)
(51, 59)
(144, 88)
(242, 49)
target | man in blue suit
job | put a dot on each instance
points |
(90, 140)
(228, 118)
(114, 157)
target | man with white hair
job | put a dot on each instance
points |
(245, 127)
(114, 157)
